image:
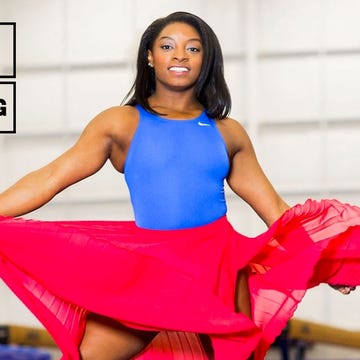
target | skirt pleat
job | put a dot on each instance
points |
(178, 282)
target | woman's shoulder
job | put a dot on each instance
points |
(231, 124)
(232, 127)
(234, 134)
(115, 118)
(119, 113)
(117, 123)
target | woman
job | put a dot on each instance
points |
(180, 266)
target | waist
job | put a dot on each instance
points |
(181, 214)
(212, 228)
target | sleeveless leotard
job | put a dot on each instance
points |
(175, 171)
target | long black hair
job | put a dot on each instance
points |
(210, 89)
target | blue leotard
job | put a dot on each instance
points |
(175, 171)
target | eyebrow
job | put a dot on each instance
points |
(170, 38)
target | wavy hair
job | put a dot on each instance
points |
(211, 89)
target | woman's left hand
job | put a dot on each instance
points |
(344, 289)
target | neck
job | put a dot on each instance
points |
(175, 103)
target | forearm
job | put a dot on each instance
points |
(275, 209)
(28, 194)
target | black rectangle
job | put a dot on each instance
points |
(4, 108)
(13, 25)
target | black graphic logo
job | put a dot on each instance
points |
(7, 72)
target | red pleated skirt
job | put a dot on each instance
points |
(178, 282)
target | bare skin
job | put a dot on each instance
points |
(105, 338)
(108, 137)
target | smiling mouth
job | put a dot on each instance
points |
(179, 69)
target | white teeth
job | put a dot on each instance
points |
(178, 69)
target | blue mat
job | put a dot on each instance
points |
(12, 352)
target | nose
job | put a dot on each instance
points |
(180, 55)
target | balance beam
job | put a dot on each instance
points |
(314, 332)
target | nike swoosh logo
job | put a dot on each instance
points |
(203, 124)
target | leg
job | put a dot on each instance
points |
(106, 339)
(206, 344)
(242, 296)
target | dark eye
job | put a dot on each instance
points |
(166, 47)
(193, 49)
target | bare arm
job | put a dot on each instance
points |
(83, 159)
(247, 179)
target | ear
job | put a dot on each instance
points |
(150, 58)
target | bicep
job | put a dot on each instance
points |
(247, 179)
(83, 159)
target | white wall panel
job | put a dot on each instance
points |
(343, 86)
(234, 75)
(39, 31)
(112, 210)
(13, 311)
(288, 89)
(3, 163)
(40, 102)
(309, 309)
(106, 184)
(292, 159)
(26, 154)
(99, 31)
(335, 310)
(107, 211)
(4, 312)
(91, 91)
(146, 13)
(231, 36)
(343, 157)
(285, 25)
(342, 310)
(5, 13)
(242, 217)
(342, 26)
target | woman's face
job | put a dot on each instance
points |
(176, 56)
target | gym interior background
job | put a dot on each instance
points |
(293, 68)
